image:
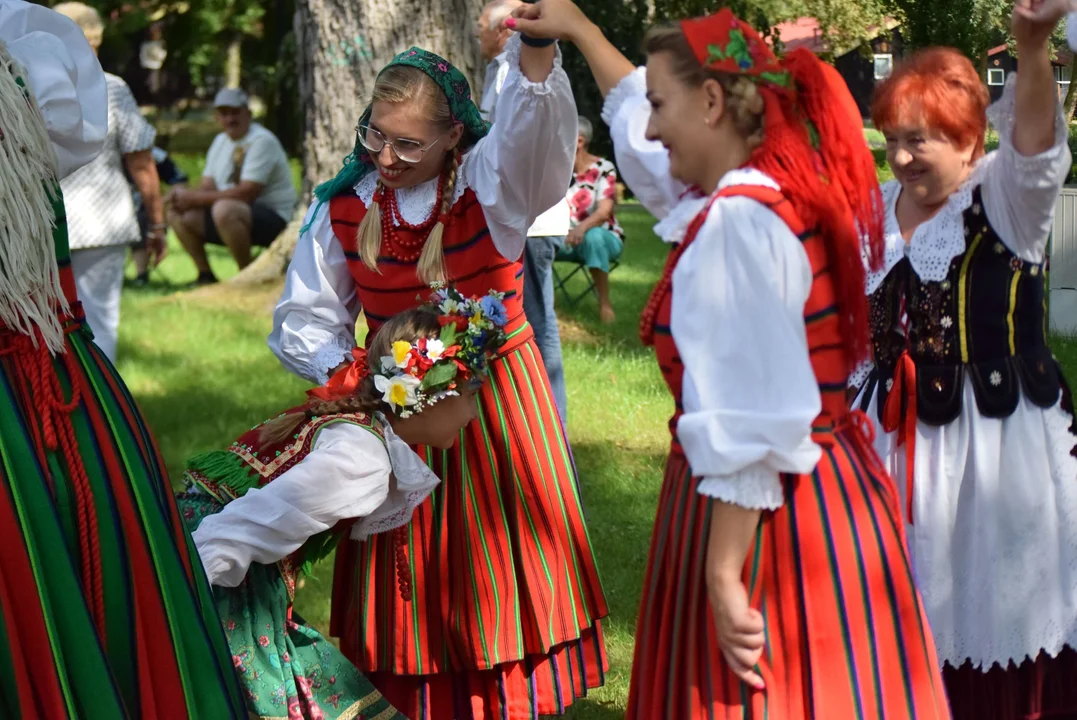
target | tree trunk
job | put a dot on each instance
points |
(1071, 92)
(233, 63)
(342, 44)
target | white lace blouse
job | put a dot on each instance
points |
(750, 394)
(518, 171)
(348, 474)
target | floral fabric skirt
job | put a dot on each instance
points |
(288, 670)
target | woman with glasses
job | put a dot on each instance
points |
(497, 611)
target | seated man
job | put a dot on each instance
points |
(246, 197)
(595, 239)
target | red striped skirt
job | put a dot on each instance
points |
(846, 635)
(503, 622)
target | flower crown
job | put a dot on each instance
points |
(418, 374)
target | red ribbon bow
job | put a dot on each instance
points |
(345, 381)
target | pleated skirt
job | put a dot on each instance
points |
(846, 634)
(503, 621)
(105, 610)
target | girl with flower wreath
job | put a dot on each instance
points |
(778, 584)
(502, 619)
(287, 492)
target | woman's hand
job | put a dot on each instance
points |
(740, 627)
(1034, 21)
(558, 19)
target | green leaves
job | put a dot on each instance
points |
(440, 374)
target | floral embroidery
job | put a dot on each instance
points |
(996, 378)
(1000, 248)
(947, 322)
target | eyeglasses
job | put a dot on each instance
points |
(409, 151)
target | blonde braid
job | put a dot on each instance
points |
(432, 261)
(368, 234)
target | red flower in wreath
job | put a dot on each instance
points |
(458, 320)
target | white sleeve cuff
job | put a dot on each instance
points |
(327, 357)
(631, 85)
(512, 57)
(754, 488)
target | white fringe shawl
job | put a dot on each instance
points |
(30, 292)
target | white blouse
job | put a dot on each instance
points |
(519, 170)
(348, 474)
(65, 77)
(750, 394)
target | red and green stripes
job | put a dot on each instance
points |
(159, 648)
(506, 593)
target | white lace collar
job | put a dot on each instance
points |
(408, 467)
(936, 242)
(673, 226)
(416, 203)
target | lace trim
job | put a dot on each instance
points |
(328, 357)
(1051, 626)
(936, 242)
(416, 202)
(512, 58)
(414, 481)
(630, 86)
(861, 374)
(754, 488)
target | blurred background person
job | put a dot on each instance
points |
(101, 219)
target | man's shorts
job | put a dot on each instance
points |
(266, 225)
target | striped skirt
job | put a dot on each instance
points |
(846, 635)
(503, 618)
(105, 610)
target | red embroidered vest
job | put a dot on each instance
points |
(473, 263)
(820, 316)
(250, 463)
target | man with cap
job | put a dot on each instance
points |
(246, 197)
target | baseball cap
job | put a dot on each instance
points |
(230, 97)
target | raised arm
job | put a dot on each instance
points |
(345, 476)
(1022, 181)
(314, 321)
(522, 167)
(644, 164)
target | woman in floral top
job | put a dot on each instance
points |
(595, 238)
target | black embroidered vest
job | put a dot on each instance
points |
(985, 322)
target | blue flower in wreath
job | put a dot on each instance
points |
(494, 309)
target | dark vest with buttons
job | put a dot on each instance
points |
(985, 323)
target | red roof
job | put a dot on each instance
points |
(805, 33)
(801, 33)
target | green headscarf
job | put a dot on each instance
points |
(456, 88)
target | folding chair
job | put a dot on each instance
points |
(562, 281)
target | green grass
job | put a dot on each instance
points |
(201, 371)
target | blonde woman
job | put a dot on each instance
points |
(500, 616)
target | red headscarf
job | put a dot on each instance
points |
(813, 147)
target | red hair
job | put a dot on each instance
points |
(940, 88)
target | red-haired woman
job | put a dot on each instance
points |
(977, 414)
(778, 584)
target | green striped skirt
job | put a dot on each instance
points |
(106, 612)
